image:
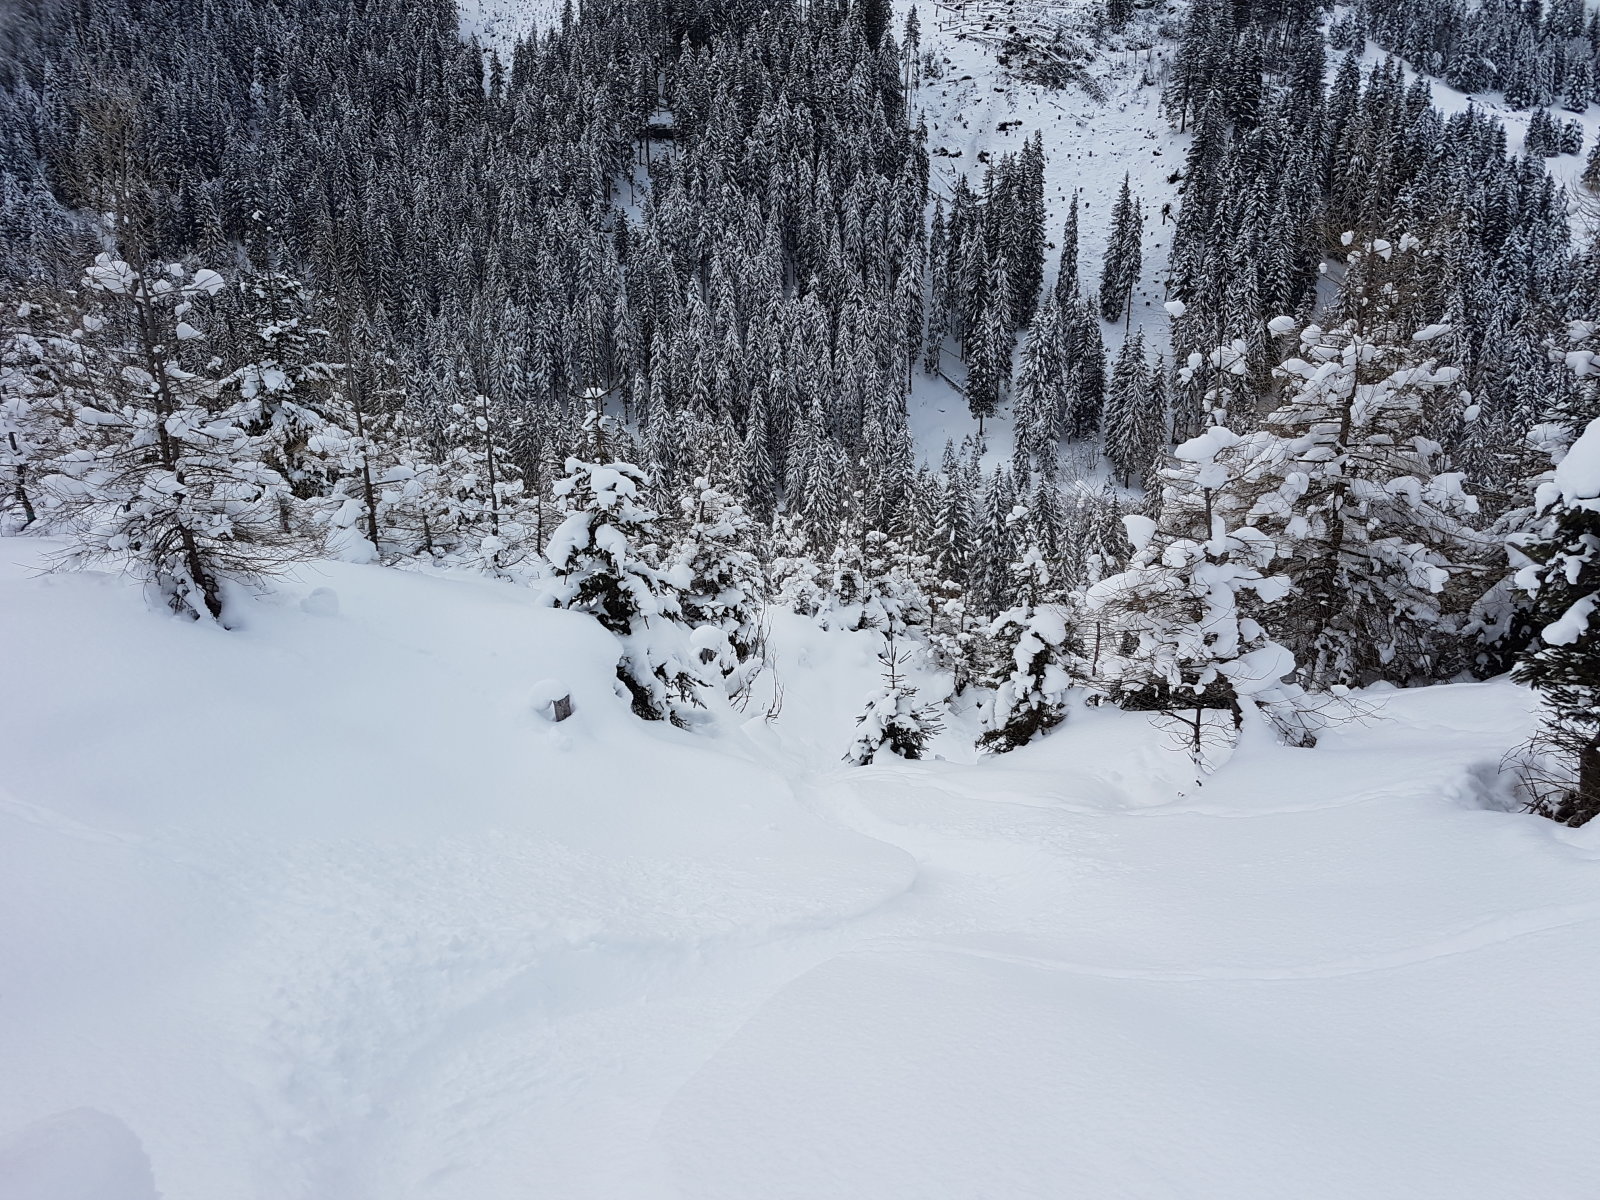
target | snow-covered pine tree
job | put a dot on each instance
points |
(1375, 531)
(795, 573)
(990, 580)
(1563, 662)
(1030, 699)
(897, 580)
(952, 535)
(496, 518)
(39, 360)
(1084, 352)
(1124, 256)
(721, 585)
(1038, 402)
(285, 376)
(1180, 628)
(168, 480)
(597, 558)
(1591, 168)
(893, 720)
(1066, 291)
(989, 347)
(415, 504)
(1135, 420)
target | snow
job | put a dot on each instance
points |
(1569, 626)
(1577, 476)
(81, 1154)
(497, 24)
(1259, 670)
(1140, 531)
(320, 907)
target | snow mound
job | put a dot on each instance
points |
(78, 1155)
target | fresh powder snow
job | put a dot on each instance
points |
(374, 927)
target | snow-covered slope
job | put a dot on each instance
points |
(322, 908)
(499, 23)
(977, 109)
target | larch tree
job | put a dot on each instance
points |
(170, 481)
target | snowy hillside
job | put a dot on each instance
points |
(976, 109)
(520, 675)
(419, 942)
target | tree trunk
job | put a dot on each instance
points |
(1586, 801)
(29, 516)
(156, 362)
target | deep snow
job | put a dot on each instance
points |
(323, 908)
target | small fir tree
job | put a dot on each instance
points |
(893, 721)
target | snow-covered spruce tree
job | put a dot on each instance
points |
(487, 502)
(952, 627)
(1124, 256)
(1135, 422)
(1031, 698)
(597, 558)
(989, 580)
(285, 379)
(721, 585)
(1563, 662)
(1039, 399)
(1084, 352)
(796, 576)
(363, 444)
(1591, 168)
(893, 721)
(873, 581)
(897, 581)
(1179, 627)
(1376, 533)
(415, 507)
(989, 347)
(169, 482)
